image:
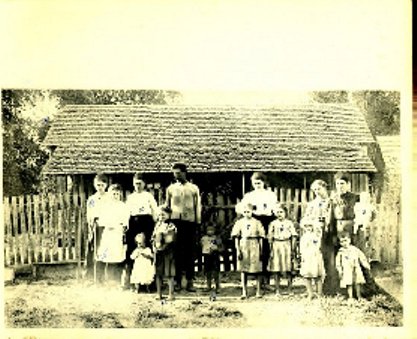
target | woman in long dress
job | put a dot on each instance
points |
(263, 202)
(319, 210)
(111, 250)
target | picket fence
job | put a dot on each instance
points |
(52, 228)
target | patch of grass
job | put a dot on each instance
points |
(100, 320)
(150, 318)
(221, 312)
(31, 317)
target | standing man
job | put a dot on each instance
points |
(183, 198)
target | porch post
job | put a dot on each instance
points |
(243, 184)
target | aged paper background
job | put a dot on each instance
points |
(229, 45)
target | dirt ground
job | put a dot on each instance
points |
(64, 302)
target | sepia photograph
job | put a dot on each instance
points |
(144, 208)
(207, 169)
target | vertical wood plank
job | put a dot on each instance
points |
(8, 230)
(15, 229)
(44, 226)
(82, 224)
(243, 184)
(59, 227)
(275, 190)
(288, 202)
(37, 223)
(68, 225)
(366, 177)
(303, 201)
(310, 195)
(160, 194)
(220, 207)
(23, 230)
(51, 226)
(77, 246)
(29, 211)
(281, 195)
(296, 204)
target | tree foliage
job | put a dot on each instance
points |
(23, 157)
(27, 116)
(117, 97)
(381, 108)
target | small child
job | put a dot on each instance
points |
(143, 270)
(163, 240)
(312, 265)
(248, 233)
(211, 245)
(364, 214)
(348, 264)
(281, 237)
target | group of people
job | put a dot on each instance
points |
(139, 243)
(333, 239)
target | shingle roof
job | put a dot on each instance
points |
(119, 139)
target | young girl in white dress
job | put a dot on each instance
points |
(312, 265)
(249, 233)
(143, 269)
(281, 237)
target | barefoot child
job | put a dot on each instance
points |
(163, 239)
(248, 233)
(281, 236)
(211, 246)
(312, 265)
(143, 270)
(348, 264)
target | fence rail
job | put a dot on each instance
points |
(52, 228)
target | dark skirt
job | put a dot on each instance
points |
(165, 263)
